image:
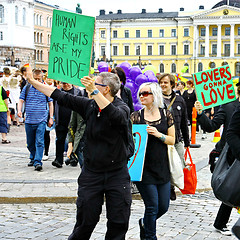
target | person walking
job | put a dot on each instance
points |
(105, 171)
(62, 119)
(177, 107)
(221, 117)
(3, 115)
(155, 184)
(36, 119)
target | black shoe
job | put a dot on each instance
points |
(56, 164)
(142, 230)
(38, 167)
(224, 231)
(173, 196)
(30, 164)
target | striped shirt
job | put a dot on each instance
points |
(36, 105)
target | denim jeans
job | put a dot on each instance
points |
(156, 200)
(35, 141)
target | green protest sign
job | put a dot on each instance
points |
(71, 46)
(214, 87)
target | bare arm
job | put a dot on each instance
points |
(6, 102)
(20, 104)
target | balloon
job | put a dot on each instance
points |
(150, 67)
(151, 76)
(92, 70)
(134, 72)
(126, 67)
(103, 67)
(132, 86)
(137, 106)
(184, 69)
(141, 79)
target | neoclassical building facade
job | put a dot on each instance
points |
(171, 40)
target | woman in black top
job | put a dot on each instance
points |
(124, 93)
(155, 185)
(190, 98)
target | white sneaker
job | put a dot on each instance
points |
(45, 158)
(224, 231)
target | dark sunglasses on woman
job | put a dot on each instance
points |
(145, 94)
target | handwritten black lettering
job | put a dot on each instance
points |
(65, 21)
(80, 38)
(57, 47)
(76, 53)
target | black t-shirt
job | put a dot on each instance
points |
(156, 165)
(64, 113)
(4, 94)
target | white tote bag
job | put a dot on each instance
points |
(175, 165)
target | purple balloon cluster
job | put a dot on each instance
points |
(135, 78)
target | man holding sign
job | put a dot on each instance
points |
(105, 171)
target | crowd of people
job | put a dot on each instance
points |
(92, 126)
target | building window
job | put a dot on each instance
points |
(41, 38)
(214, 49)
(173, 50)
(16, 15)
(102, 50)
(137, 33)
(24, 16)
(237, 69)
(200, 67)
(227, 31)
(214, 31)
(186, 32)
(238, 47)
(161, 68)
(186, 49)
(138, 50)
(173, 32)
(238, 31)
(226, 50)
(1, 36)
(37, 57)
(115, 50)
(115, 34)
(173, 68)
(161, 49)
(40, 20)
(41, 55)
(1, 14)
(36, 20)
(224, 63)
(202, 49)
(126, 33)
(34, 36)
(149, 50)
(102, 33)
(126, 50)
(186, 65)
(150, 33)
(212, 65)
(37, 39)
(161, 33)
(49, 38)
(203, 32)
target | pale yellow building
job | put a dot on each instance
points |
(171, 40)
(42, 33)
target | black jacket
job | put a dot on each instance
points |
(105, 149)
(126, 96)
(222, 116)
(179, 111)
(233, 134)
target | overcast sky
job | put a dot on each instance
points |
(92, 7)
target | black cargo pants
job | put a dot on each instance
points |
(92, 187)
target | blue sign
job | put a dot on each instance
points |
(136, 162)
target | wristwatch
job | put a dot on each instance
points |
(95, 92)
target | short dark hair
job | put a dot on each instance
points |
(121, 74)
(181, 82)
(190, 82)
(170, 76)
(6, 70)
(37, 72)
(23, 69)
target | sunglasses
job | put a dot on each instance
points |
(98, 84)
(145, 93)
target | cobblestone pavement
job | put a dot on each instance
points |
(189, 217)
(43, 215)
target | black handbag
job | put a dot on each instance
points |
(226, 178)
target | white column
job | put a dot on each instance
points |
(232, 41)
(207, 41)
(97, 47)
(108, 46)
(195, 41)
(219, 40)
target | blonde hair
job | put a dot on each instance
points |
(156, 91)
